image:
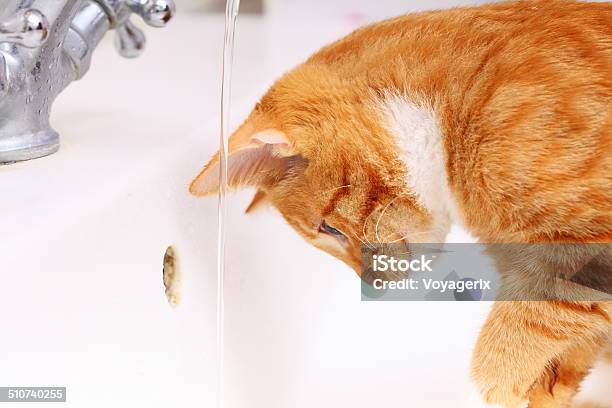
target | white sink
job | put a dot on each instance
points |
(84, 233)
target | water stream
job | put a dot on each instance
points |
(231, 12)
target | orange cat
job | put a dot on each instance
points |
(496, 118)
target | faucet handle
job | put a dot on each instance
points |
(28, 28)
(155, 13)
(130, 41)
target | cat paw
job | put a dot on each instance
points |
(500, 385)
(490, 398)
(502, 396)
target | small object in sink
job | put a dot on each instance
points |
(172, 278)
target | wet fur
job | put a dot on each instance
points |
(520, 95)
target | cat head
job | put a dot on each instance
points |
(316, 151)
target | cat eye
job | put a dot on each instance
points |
(328, 229)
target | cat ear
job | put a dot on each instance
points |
(251, 159)
(258, 201)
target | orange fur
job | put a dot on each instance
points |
(522, 92)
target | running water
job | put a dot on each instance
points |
(231, 12)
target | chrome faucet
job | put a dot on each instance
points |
(47, 44)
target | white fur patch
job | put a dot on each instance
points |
(416, 129)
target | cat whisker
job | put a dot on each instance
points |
(363, 229)
(382, 213)
(359, 239)
(416, 234)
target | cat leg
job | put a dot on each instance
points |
(561, 381)
(521, 340)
